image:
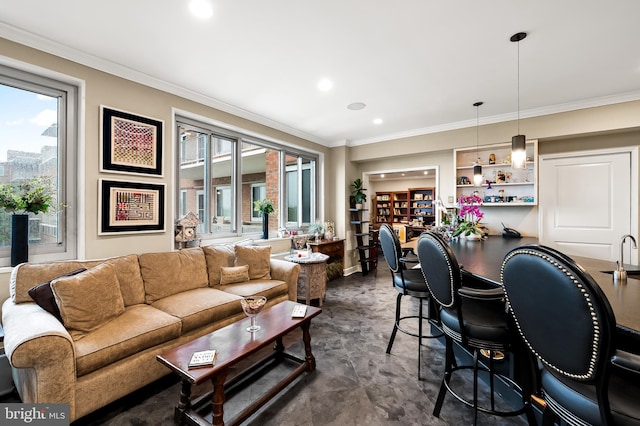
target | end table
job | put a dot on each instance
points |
(312, 281)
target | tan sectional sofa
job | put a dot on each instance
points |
(121, 312)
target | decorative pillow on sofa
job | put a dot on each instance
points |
(258, 258)
(43, 295)
(234, 274)
(218, 256)
(88, 300)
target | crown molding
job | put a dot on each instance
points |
(501, 118)
(48, 46)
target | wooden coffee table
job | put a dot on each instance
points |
(234, 343)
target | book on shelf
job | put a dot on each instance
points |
(203, 359)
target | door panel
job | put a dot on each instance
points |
(585, 203)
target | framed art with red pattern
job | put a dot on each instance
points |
(130, 207)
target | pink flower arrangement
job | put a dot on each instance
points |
(470, 215)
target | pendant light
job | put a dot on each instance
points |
(518, 142)
(477, 168)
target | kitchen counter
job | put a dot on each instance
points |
(483, 260)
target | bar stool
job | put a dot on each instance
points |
(567, 322)
(475, 318)
(407, 282)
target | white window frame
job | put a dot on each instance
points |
(70, 92)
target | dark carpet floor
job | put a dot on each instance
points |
(355, 383)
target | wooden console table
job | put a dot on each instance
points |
(335, 250)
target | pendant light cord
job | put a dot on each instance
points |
(477, 128)
(518, 87)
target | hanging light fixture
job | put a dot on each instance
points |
(477, 167)
(518, 142)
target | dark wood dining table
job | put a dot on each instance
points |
(483, 260)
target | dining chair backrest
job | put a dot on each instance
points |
(560, 312)
(391, 249)
(440, 269)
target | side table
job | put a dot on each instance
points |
(312, 281)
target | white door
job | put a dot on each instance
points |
(588, 201)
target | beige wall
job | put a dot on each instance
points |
(615, 125)
(589, 129)
(105, 89)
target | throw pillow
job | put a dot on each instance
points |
(89, 300)
(234, 274)
(43, 296)
(258, 258)
(217, 257)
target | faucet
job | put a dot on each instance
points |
(620, 274)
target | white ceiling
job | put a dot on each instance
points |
(419, 65)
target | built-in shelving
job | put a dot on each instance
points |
(502, 185)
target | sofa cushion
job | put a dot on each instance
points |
(43, 295)
(165, 274)
(88, 300)
(28, 275)
(258, 258)
(217, 257)
(234, 274)
(140, 327)
(200, 307)
(271, 289)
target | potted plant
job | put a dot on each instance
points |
(469, 217)
(265, 207)
(21, 198)
(316, 229)
(358, 193)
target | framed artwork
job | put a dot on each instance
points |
(130, 143)
(130, 207)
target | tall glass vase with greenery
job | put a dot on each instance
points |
(22, 198)
(265, 207)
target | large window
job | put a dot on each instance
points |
(232, 171)
(38, 122)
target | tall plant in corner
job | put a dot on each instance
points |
(358, 193)
(21, 198)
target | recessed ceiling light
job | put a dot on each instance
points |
(382, 175)
(356, 106)
(377, 121)
(426, 172)
(201, 9)
(403, 174)
(325, 84)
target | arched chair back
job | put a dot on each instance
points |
(391, 249)
(440, 269)
(566, 321)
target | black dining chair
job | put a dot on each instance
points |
(476, 319)
(408, 282)
(565, 319)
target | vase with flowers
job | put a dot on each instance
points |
(21, 198)
(469, 217)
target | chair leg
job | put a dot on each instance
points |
(475, 386)
(419, 337)
(395, 325)
(448, 366)
(548, 417)
(493, 399)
